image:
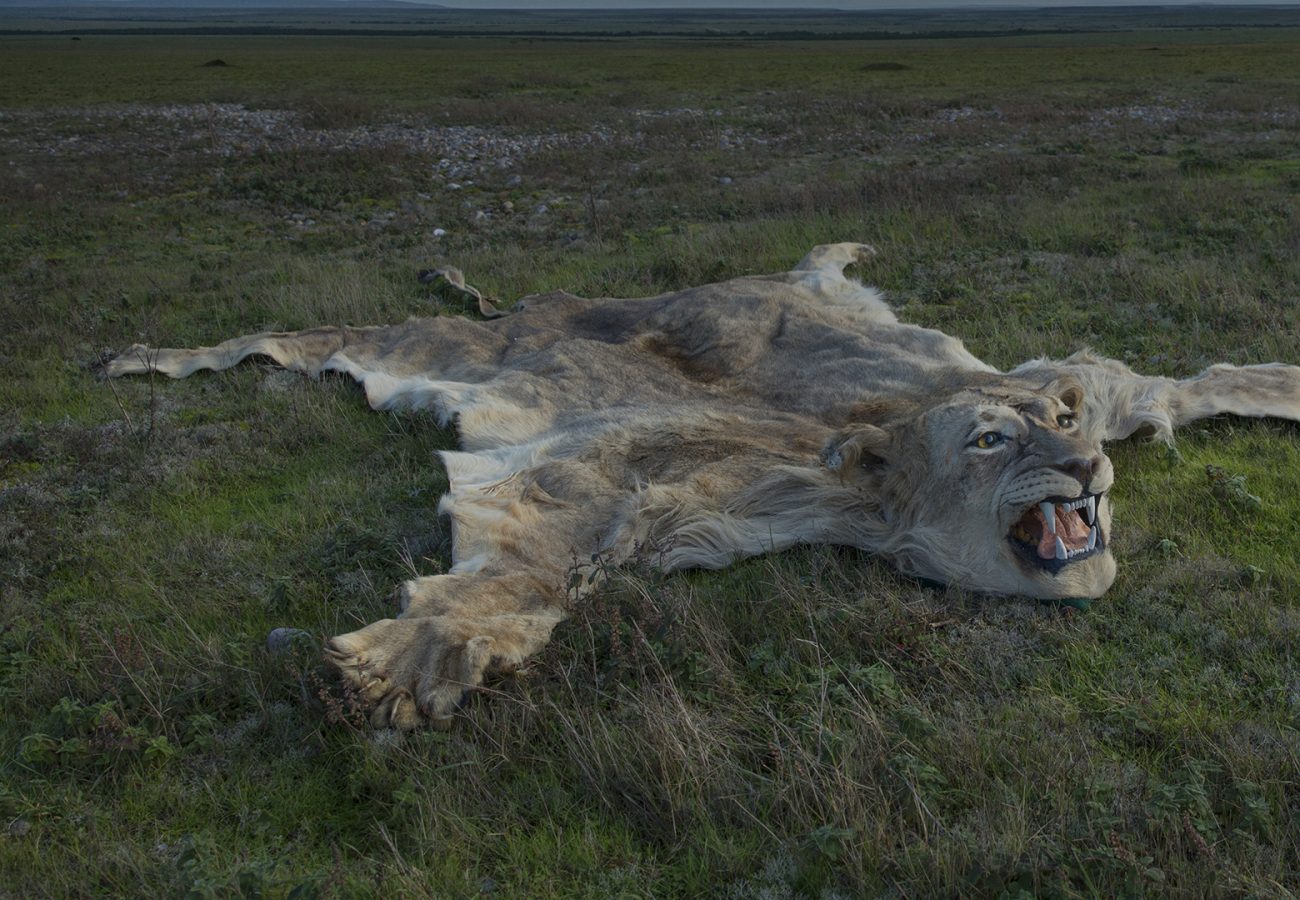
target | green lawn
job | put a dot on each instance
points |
(807, 724)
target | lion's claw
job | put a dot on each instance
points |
(419, 671)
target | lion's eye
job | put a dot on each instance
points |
(989, 439)
(1067, 420)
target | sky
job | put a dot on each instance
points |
(736, 4)
(822, 4)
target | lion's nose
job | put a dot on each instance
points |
(1080, 468)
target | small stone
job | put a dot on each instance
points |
(514, 181)
(453, 186)
(386, 738)
(280, 381)
(725, 179)
(507, 206)
(282, 640)
(439, 232)
(19, 827)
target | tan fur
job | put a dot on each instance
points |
(715, 423)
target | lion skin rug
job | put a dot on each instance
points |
(719, 422)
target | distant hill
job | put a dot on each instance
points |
(707, 20)
(220, 4)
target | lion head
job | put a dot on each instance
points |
(996, 485)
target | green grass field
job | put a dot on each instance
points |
(811, 724)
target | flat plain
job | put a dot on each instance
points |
(810, 724)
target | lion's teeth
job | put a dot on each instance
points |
(1049, 515)
(1060, 549)
(1092, 538)
(1090, 510)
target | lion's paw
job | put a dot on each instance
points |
(414, 671)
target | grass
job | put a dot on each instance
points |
(807, 724)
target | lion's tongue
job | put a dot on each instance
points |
(1070, 528)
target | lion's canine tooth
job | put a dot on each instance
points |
(1060, 549)
(1090, 509)
(1049, 515)
(1092, 538)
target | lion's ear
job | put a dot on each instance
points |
(1070, 392)
(859, 446)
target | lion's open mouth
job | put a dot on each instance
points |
(1059, 531)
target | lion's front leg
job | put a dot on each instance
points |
(1272, 390)
(1119, 402)
(515, 549)
(418, 670)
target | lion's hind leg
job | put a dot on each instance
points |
(821, 273)
(833, 258)
(301, 351)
